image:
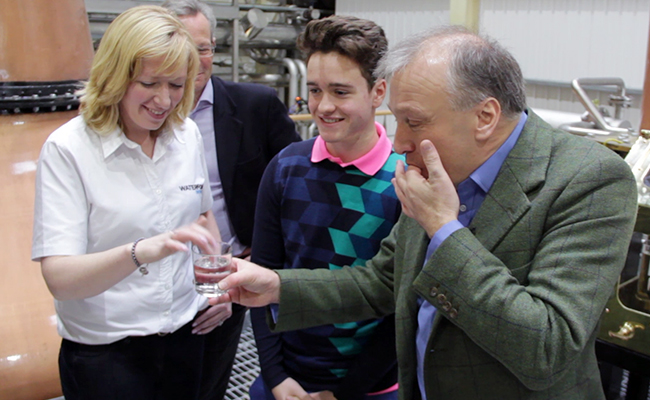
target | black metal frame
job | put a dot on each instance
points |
(38, 97)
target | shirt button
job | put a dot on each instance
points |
(167, 286)
(158, 191)
(166, 313)
(463, 208)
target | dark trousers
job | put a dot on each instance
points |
(219, 355)
(148, 367)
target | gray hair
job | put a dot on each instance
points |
(479, 67)
(184, 8)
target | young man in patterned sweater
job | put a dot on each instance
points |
(325, 203)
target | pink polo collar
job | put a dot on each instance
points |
(369, 163)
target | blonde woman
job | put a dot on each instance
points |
(121, 191)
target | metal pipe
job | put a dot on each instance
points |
(293, 80)
(618, 100)
(576, 130)
(119, 6)
(304, 93)
(311, 131)
(283, 9)
(567, 85)
(235, 50)
(274, 36)
(253, 23)
(599, 120)
(302, 68)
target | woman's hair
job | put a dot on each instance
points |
(478, 67)
(139, 33)
(361, 40)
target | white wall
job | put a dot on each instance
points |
(555, 41)
(398, 18)
(559, 40)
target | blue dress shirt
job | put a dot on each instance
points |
(204, 118)
(471, 193)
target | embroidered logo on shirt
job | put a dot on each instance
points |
(191, 187)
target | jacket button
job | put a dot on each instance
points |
(453, 313)
(447, 306)
(433, 292)
(442, 298)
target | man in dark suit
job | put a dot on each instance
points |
(243, 127)
(512, 236)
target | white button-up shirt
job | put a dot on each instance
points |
(94, 193)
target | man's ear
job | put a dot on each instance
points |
(488, 114)
(378, 93)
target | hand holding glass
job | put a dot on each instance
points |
(209, 269)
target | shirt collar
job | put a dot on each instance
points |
(485, 175)
(115, 139)
(369, 163)
(206, 99)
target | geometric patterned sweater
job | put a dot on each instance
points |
(322, 215)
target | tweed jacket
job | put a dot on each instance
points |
(519, 292)
(251, 125)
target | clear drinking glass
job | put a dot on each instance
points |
(210, 269)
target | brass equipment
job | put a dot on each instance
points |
(627, 313)
(626, 332)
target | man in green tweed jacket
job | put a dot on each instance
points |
(511, 240)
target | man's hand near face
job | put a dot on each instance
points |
(431, 201)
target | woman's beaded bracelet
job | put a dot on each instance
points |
(143, 269)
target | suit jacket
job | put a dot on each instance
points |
(251, 126)
(519, 292)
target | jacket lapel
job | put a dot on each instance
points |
(522, 174)
(228, 134)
